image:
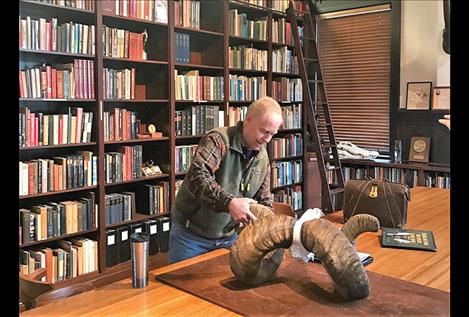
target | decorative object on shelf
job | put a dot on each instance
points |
(151, 132)
(385, 200)
(419, 149)
(418, 95)
(398, 151)
(149, 169)
(441, 98)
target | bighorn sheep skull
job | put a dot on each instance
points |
(258, 252)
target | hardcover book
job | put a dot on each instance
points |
(408, 239)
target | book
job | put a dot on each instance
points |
(408, 239)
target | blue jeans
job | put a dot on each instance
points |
(184, 244)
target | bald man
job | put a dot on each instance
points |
(229, 171)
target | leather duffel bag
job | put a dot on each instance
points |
(385, 200)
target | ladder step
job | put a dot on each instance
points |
(315, 81)
(307, 38)
(311, 59)
(329, 146)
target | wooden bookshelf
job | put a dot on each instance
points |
(155, 103)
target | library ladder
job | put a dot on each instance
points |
(315, 97)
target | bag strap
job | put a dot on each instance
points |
(395, 203)
(389, 207)
(358, 199)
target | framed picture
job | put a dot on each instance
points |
(418, 95)
(441, 98)
(419, 149)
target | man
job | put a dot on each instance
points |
(229, 171)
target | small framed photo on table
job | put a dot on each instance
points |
(441, 98)
(418, 95)
(419, 149)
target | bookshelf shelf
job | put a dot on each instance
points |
(133, 20)
(57, 192)
(275, 44)
(138, 218)
(135, 61)
(56, 100)
(285, 186)
(137, 141)
(188, 137)
(56, 8)
(198, 101)
(54, 53)
(58, 146)
(199, 66)
(248, 71)
(242, 40)
(70, 235)
(289, 130)
(289, 75)
(136, 100)
(288, 158)
(142, 179)
(198, 31)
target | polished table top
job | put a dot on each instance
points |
(428, 210)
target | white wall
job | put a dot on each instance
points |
(422, 55)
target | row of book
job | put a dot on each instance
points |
(182, 48)
(198, 120)
(183, 157)
(281, 31)
(438, 181)
(150, 10)
(118, 240)
(119, 83)
(236, 114)
(78, 4)
(245, 57)
(395, 175)
(289, 145)
(192, 86)
(47, 35)
(243, 88)
(122, 43)
(63, 259)
(55, 219)
(291, 115)
(123, 165)
(121, 124)
(39, 129)
(290, 195)
(58, 173)
(287, 89)
(284, 61)
(241, 26)
(148, 199)
(187, 13)
(286, 173)
(61, 81)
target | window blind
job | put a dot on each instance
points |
(355, 59)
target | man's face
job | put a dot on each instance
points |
(259, 130)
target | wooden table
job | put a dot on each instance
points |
(428, 210)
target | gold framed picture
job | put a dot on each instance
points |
(418, 95)
(419, 149)
(441, 98)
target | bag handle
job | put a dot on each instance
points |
(358, 199)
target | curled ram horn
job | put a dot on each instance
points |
(358, 224)
(258, 252)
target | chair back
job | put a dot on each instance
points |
(67, 291)
(31, 287)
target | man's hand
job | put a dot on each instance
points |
(239, 209)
